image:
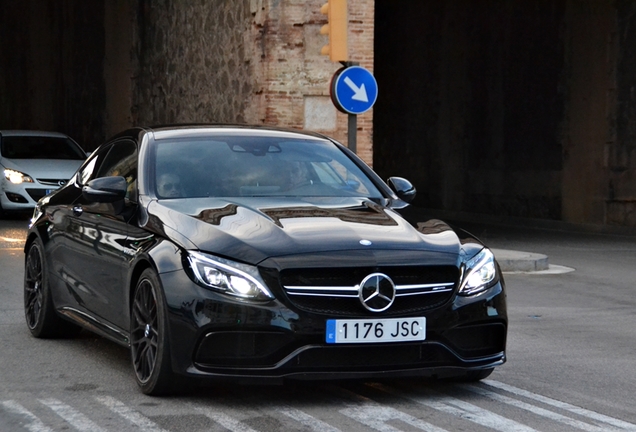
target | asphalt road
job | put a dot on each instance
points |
(571, 350)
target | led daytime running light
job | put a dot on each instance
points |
(479, 272)
(227, 276)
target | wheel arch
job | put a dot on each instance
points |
(29, 241)
(37, 231)
(164, 257)
(138, 269)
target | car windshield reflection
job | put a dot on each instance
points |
(245, 166)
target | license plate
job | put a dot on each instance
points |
(376, 330)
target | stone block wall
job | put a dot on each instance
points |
(194, 62)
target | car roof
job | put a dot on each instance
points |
(32, 133)
(192, 130)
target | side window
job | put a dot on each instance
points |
(89, 170)
(122, 161)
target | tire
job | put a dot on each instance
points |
(149, 343)
(39, 311)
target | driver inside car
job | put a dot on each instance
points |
(169, 186)
(298, 175)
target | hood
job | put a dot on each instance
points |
(254, 229)
(44, 168)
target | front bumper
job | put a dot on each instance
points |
(212, 336)
(22, 196)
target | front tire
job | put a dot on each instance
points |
(150, 349)
(39, 311)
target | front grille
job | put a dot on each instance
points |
(53, 182)
(336, 291)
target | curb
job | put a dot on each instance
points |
(516, 261)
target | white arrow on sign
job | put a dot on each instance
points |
(359, 93)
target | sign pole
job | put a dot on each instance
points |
(352, 123)
(352, 132)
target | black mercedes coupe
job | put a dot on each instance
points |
(258, 254)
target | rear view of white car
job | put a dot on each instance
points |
(33, 164)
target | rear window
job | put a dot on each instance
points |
(34, 147)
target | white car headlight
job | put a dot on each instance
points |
(479, 272)
(16, 177)
(229, 277)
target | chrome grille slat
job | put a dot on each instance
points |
(433, 285)
(51, 182)
(322, 288)
(323, 295)
(397, 294)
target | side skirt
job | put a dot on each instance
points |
(97, 326)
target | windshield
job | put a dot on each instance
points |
(36, 147)
(232, 166)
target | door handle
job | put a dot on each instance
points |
(78, 210)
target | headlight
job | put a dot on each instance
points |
(229, 277)
(479, 272)
(16, 177)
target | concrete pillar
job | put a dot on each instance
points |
(590, 109)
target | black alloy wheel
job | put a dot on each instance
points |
(33, 281)
(39, 311)
(148, 337)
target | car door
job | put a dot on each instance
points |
(64, 232)
(97, 255)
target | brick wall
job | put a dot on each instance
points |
(294, 77)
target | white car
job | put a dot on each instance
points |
(33, 164)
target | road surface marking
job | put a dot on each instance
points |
(377, 417)
(143, 423)
(563, 405)
(461, 409)
(534, 409)
(34, 425)
(307, 420)
(75, 418)
(225, 420)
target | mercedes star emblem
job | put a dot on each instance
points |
(377, 292)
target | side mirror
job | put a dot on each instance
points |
(402, 188)
(105, 189)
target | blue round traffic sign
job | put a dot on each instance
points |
(353, 90)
